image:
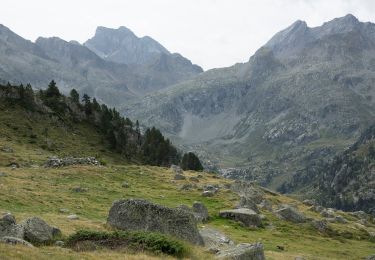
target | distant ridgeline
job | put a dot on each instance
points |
(119, 133)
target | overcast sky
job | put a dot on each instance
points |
(211, 33)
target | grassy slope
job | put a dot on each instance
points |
(34, 190)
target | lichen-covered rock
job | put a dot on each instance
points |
(247, 217)
(14, 241)
(215, 240)
(9, 228)
(37, 230)
(138, 214)
(290, 214)
(243, 252)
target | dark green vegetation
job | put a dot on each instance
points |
(137, 241)
(119, 134)
(191, 162)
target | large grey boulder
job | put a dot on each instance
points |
(9, 228)
(243, 252)
(249, 203)
(138, 214)
(214, 240)
(248, 190)
(15, 241)
(290, 214)
(38, 231)
(247, 217)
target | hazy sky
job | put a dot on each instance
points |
(211, 33)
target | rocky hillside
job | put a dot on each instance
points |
(306, 94)
(71, 64)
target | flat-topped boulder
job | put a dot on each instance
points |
(139, 214)
(248, 217)
(290, 214)
(243, 252)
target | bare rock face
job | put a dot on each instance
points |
(243, 252)
(138, 214)
(247, 217)
(37, 230)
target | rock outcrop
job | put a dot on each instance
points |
(243, 252)
(55, 162)
(247, 217)
(138, 214)
(289, 213)
(9, 228)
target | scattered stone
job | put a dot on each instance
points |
(340, 219)
(213, 188)
(194, 179)
(188, 186)
(59, 243)
(248, 203)
(327, 213)
(37, 230)
(176, 169)
(80, 189)
(200, 211)
(208, 193)
(14, 241)
(290, 214)
(72, 217)
(138, 214)
(3, 174)
(7, 149)
(125, 185)
(215, 240)
(9, 228)
(317, 208)
(309, 202)
(64, 210)
(178, 177)
(370, 257)
(320, 225)
(13, 165)
(55, 162)
(247, 217)
(359, 214)
(243, 252)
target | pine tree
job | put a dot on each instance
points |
(74, 96)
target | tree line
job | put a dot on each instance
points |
(120, 133)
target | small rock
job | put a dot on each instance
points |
(72, 217)
(247, 217)
(59, 243)
(14, 241)
(194, 179)
(176, 169)
(199, 176)
(64, 210)
(80, 189)
(179, 177)
(309, 202)
(282, 248)
(7, 149)
(3, 174)
(188, 186)
(208, 193)
(370, 257)
(320, 225)
(125, 185)
(327, 213)
(340, 219)
(214, 188)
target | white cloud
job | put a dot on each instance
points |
(212, 33)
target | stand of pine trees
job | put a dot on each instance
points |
(121, 134)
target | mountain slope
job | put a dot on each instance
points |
(307, 93)
(74, 65)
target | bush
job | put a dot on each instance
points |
(153, 242)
